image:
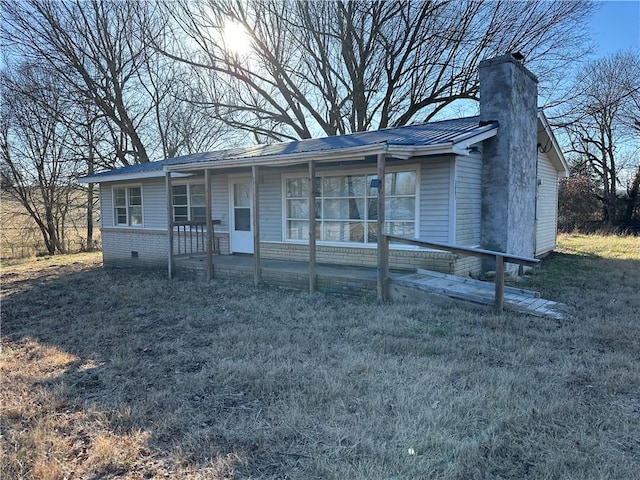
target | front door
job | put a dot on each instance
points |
(241, 201)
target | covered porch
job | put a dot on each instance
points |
(245, 214)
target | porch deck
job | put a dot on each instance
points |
(358, 281)
(342, 279)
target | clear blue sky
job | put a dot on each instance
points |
(615, 26)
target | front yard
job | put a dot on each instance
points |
(112, 374)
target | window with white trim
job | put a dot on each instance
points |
(347, 208)
(127, 206)
(189, 203)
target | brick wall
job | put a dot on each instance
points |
(147, 248)
(366, 257)
(467, 265)
(121, 245)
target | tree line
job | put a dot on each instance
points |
(602, 121)
(99, 84)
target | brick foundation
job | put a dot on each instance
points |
(145, 248)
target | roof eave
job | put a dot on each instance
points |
(557, 156)
(459, 147)
(352, 153)
(123, 177)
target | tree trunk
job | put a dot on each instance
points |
(633, 198)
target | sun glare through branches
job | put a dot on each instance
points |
(236, 38)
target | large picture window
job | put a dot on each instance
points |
(347, 208)
(127, 206)
(189, 203)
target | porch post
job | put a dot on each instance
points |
(312, 226)
(499, 286)
(169, 194)
(207, 194)
(383, 242)
(256, 224)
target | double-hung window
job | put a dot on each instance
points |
(189, 203)
(127, 206)
(347, 207)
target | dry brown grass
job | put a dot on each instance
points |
(109, 374)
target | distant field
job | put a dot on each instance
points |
(113, 374)
(20, 236)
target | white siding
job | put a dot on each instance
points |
(106, 205)
(270, 205)
(546, 206)
(468, 200)
(220, 201)
(435, 200)
(154, 203)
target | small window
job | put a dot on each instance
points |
(127, 206)
(189, 203)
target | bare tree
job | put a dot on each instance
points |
(36, 169)
(601, 123)
(95, 49)
(337, 67)
(180, 125)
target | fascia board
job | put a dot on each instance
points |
(461, 147)
(557, 157)
(126, 177)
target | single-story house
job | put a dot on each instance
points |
(489, 181)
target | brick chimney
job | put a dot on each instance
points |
(509, 94)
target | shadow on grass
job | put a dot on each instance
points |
(114, 378)
(121, 374)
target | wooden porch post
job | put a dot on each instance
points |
(207, 194)
(256, 225)
(383, 242)
(312, 226)
(169, 223)
(499, 293)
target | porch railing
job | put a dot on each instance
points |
(500, 258)
(190, 238)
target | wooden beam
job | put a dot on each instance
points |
(257, 274)
(208, 209)
(312, 226)
(383, 243)
(169, 192)
(476, 252)
(499, 295)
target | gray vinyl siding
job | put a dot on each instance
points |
(546, 206)
(220, 201)
(270, 206)
(468, 200)
(106, 205)
(154, 204)
(435, 199)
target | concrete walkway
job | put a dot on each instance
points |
(349, 280)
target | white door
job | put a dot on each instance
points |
(241, 201)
